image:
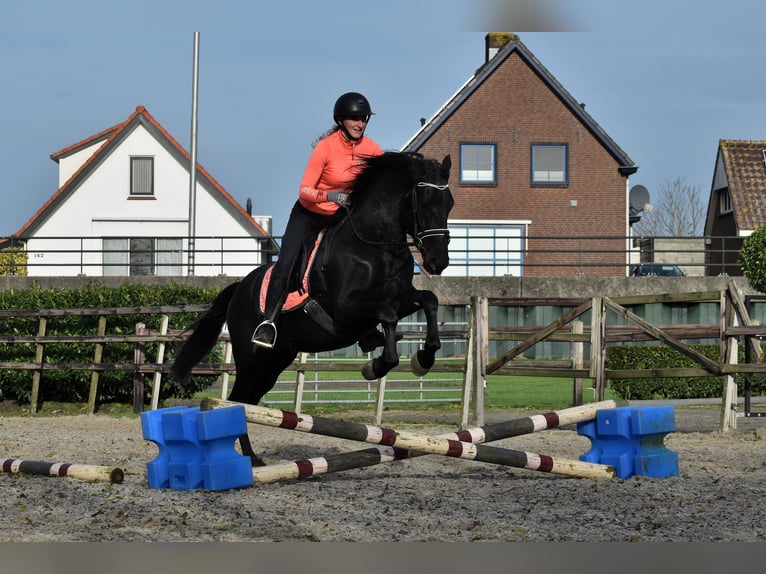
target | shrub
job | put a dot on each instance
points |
(662, 356)
(113, 386)
(753, 259)
(13, 261)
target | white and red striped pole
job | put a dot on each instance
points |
(316, 466)
(445, 445)
(87, 472)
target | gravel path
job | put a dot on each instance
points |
(718, 495)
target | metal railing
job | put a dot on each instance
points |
(470, 255)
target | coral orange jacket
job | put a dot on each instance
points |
(333, 165)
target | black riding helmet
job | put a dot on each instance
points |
(351, 104)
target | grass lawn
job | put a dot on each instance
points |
(501, 392)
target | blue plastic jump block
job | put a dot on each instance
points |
(631, 439)
(196, 448)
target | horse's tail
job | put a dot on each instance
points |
(206, 331)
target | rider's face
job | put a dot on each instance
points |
(355, 126)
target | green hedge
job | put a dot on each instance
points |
(74, 386)
(663, 357)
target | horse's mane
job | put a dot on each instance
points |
(406, 164)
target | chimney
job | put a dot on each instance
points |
(496, 40)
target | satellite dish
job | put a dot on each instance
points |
(638, 197)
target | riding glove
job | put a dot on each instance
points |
(342, 198)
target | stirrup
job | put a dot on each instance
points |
(265, 335)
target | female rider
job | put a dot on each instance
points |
(334, 163)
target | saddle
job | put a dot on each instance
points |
(299, 290)
(299, 297)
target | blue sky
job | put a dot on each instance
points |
(665, 79)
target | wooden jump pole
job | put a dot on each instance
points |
(416, 442)
(305, 468)
(87, 472)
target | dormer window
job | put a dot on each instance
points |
(141, 176)
(724, 201)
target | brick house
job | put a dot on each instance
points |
(737, 205)
(540, 188)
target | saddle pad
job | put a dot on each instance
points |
(297, 298)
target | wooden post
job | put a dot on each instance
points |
(481, 330)
(39, 354)
(300, 381)
(139, 357)
(470, 364)
(96, 359)
(740, 308)
(380, 401)
(729, 399)
(597, 345)
(160, 359)
(577, 363)
(225, 376)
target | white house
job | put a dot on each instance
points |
(123, 208)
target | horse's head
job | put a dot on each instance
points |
(432, 201)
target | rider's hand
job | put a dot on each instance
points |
(342, 198)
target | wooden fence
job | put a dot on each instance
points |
(734, 324)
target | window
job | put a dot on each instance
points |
(116, 260)
(724, 201)
(549, 163)
(167, 257)
(139, 256)
(477, 163)
(141, 176)
(492, 250)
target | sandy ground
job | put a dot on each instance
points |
(718, 495)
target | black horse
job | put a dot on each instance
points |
(360, 277)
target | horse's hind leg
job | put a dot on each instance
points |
(247, 450)
(389, 357)
(256, 375)
(423, 360)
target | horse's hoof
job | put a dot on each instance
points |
(368, 372)
(255, 460)
(416, 367)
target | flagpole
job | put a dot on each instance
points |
(193, 166)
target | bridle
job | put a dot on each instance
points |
(418, 236)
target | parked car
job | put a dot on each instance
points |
(663, 269)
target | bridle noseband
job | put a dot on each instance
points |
(419, 236)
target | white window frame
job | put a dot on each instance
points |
(489, 248)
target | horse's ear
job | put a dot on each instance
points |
(446, 165)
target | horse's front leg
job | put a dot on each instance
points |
(423, 360)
